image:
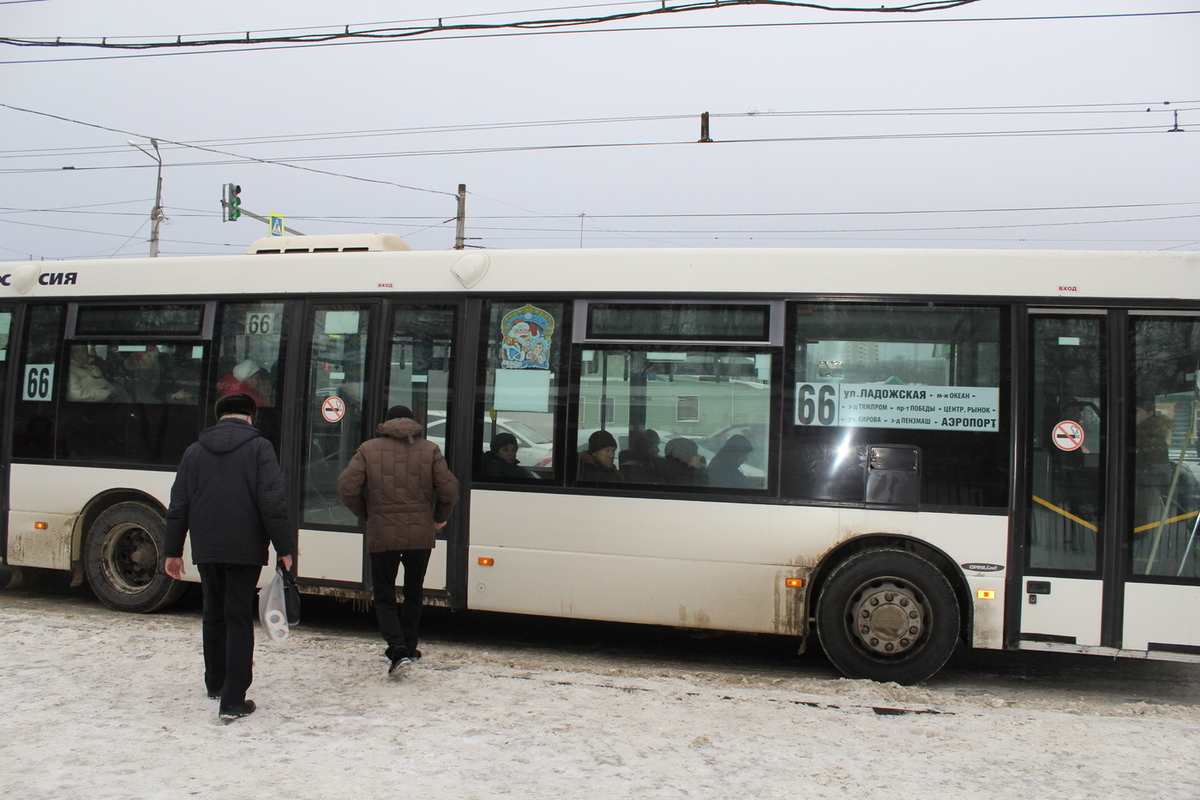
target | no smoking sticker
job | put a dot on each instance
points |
(1068, 435)
(333, 409)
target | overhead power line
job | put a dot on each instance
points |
(246, 42)
(375, 34)
(238, 158)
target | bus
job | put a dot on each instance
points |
(892, 453)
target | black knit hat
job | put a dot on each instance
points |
(397, 412)
(238, 403)
(600, 440)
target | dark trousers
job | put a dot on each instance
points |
(399, 623)
(228, 629)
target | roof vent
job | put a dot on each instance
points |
(333, 243)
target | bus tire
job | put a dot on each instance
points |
(888, 615)
(123, 555)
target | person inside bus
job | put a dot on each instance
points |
(501, 460)
(87, 383)
(143, 373)
(1152, 462)
(640, 462)
(683, 465)
(598, 461)
(726, 466)
(248, 377)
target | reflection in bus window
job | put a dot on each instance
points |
(923, 377)
(1166, 463)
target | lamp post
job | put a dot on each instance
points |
(156, 214)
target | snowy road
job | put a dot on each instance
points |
(103, 705)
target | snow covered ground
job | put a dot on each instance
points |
(104, 705)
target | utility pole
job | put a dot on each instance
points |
(156, 213)
(460, 233)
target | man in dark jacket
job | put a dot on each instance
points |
(228, 492)
(399, 484)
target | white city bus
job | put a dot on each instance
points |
(993, 449)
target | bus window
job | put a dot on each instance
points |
(34, 422)
(926, 381)
(686, 417)
(1067, 441)
(1166, 453)
(419, 365)
(337, 383)
(251, 343)
(521, 389)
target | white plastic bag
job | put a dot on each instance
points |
(272, 609)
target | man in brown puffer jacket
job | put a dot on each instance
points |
(399, 484)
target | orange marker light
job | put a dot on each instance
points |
(986, 594)
(484, 561)
(794, 583)
(41, 526)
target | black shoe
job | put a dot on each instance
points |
(416, 655)
(399, 665)
(214, 695)
(242, 709)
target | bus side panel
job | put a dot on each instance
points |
(711, 565)
(1153, 614)
(57, 495)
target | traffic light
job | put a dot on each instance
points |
(232, 202)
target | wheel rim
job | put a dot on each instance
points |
(887, 617)
(129, 558)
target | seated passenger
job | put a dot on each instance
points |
(87, 383)
(597, 462)
(726, 466)
(641, 462)
(501, 460)
(683, 465)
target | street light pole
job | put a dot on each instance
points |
(156, 213)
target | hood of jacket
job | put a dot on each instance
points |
(400, 428)
(227, 435)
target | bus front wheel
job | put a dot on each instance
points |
(888, 615)
(122, 557)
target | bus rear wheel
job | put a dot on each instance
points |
(122, 557)
(888, 615)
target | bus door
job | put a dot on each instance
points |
(1161, 530)
(1063, 586)
(1113, 543)
(362, 359)
(336, 417)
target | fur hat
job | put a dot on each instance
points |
(600, 440)
(238, 403)
(681, 449)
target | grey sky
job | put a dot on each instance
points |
(629, 172)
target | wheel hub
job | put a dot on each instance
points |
(133, 558)
(887, 617)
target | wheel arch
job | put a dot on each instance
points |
(878, 541)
